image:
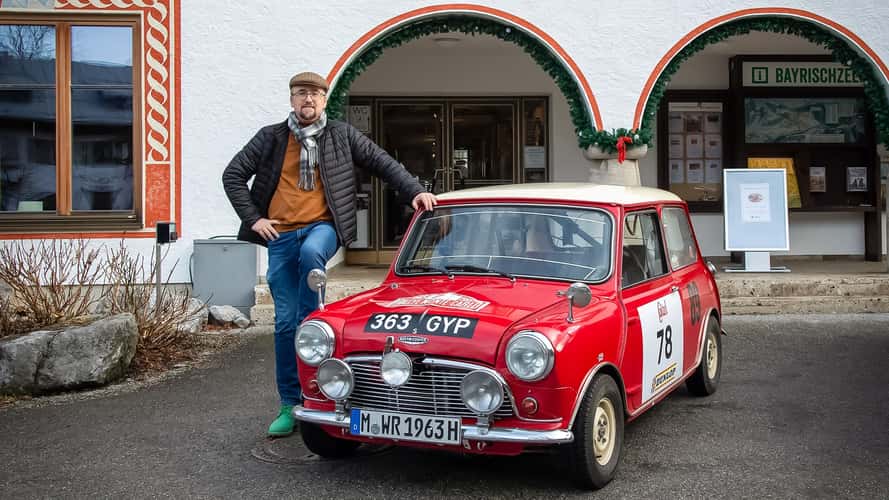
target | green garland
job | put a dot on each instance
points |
(470, 26)
(580, 117)
(842, 52)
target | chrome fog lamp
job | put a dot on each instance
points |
(529, 356)
(314, 342)
(396, 368)
(481, 392)
(335, 379)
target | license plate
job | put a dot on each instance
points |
(429, 429)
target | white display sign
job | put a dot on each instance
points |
(756, 211)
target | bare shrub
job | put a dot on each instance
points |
(131, 289)
(54, 281)
(12, 320)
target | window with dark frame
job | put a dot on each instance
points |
(69, 134)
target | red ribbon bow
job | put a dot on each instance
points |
(622, 148)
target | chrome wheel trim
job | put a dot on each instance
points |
(712, 357)
(604, 429)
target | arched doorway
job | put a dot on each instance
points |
(817, 107)
(453, 94)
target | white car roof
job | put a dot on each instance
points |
(561, 191)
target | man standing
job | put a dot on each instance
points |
(302, 206)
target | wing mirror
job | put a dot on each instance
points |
(579, 295)
(317, 281)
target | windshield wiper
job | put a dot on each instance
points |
(479, 269)
(426, 269)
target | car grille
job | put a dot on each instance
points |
(431, 390)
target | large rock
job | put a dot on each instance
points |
(228, 315)
(196, 317)
(75, 357)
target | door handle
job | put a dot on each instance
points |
(674, 288)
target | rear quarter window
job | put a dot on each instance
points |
(681, 248)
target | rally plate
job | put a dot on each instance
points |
(383, 424)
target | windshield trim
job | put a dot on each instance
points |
(402, 260)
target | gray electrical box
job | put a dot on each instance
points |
(224, 273)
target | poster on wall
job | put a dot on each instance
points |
(695, 171)
(713, 171)
(359, 117)
(856, 179)
(677, 147)
(535, 157)
(713, 123)
(793, 197)
(694, 123)
(694, 146)
(676, 123)
(817, 179)
(713, 146)
(804, 120)
(677, 172)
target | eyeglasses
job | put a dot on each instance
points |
(302, 93)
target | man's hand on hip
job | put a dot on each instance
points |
(266, 229)
(424, 201)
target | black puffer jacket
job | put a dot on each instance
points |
(341, 149)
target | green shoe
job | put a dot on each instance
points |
(283, 425)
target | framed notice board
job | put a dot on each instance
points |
(756, 211)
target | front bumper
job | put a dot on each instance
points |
(470, 432)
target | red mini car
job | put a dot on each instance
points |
(515, 317)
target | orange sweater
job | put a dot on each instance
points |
(291, 206)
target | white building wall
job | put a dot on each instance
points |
(238, 56)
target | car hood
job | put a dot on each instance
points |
(461, 318)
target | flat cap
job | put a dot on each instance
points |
(309, 79)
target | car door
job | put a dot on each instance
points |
(653, 360)
(687, 271)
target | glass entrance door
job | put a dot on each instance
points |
(412, 134)
(446, 144)
(483, 149)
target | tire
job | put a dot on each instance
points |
(324, 445)
(706, 378)
(598, 435)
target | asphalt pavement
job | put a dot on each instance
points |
(802, 412)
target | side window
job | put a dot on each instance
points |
(681, 247)
(642, 253)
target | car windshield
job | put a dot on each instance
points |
(510, 240)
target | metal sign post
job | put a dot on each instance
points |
(165, 232)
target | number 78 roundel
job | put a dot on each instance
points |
(662, 347)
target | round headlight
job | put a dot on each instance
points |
(481, 392)
(529, 356)
(396, 368)
(314, 342)
(335, 379)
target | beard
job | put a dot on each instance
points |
(308, 114)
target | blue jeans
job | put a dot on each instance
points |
(291, 257)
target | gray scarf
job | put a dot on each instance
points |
(308, 154)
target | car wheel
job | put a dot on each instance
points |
(705, 379)
(598, 434)
(323, 444)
